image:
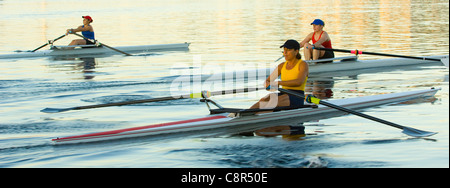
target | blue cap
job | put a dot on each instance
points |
(318, 22)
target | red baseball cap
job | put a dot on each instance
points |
(88, 17)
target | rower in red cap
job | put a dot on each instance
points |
(86, 30)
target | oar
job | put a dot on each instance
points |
(103, 44)
(49, 42)
(204, 94)
(279, 58)
(406, 130)
(56, 110)
(443, 60)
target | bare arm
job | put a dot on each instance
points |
(80, 28)
(306, 40)
(274, 75)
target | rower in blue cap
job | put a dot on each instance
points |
(319, 38)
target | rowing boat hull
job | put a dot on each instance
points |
(338, 68)
(98, 51)
(370, 64)
(246, 122)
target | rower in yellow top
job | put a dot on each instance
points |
(294, 74)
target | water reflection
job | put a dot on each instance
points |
(321, 89)
(88, 67)
(84, 65)
(287, 132)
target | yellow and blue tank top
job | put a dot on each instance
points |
(292, 74)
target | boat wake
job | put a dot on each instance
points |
(36, 88)
(265, 154)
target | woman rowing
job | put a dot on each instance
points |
(320, 39)
(86, 30)
(294, 74)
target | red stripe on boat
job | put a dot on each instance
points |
(139, 128)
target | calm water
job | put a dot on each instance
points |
(225, 36)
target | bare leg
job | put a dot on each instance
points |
(274, 131)
(262, 100)
(274, 101)
(318, 53)
(269, 101)
(307, 50)
(76, 42)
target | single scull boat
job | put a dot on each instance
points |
(246, 118)
(340, 65)
(356, 64)
(96, 50)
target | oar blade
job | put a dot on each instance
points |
(445, 61)
(416, 132)
(55, 110)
